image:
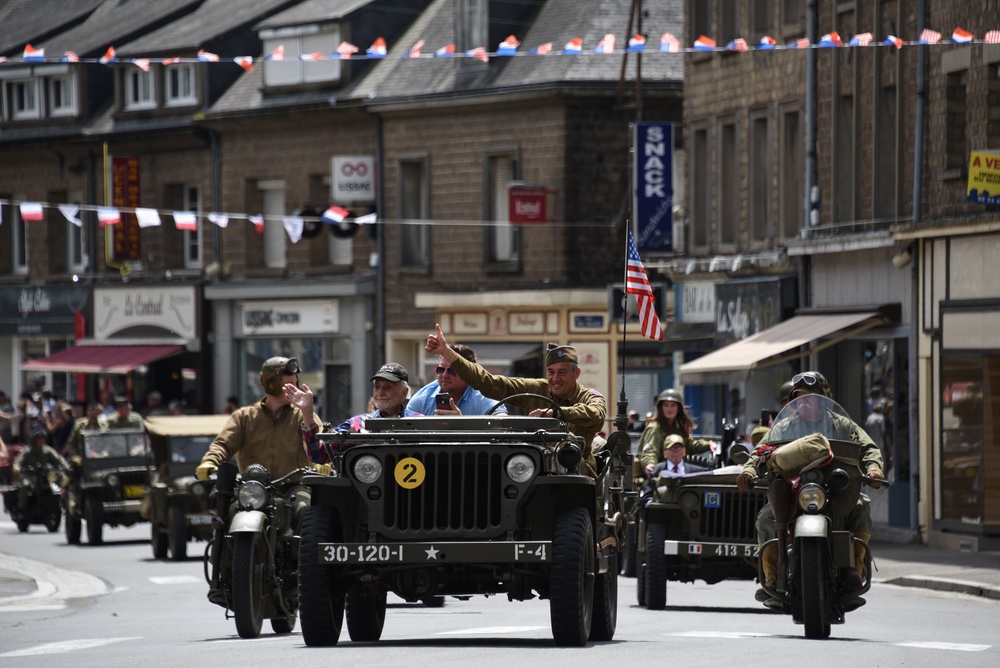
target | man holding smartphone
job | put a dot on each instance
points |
(449, 394)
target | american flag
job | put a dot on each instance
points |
(861, 39)
(992, 37)
(346, 49)
(929, 36)
(542, 49)
(637, 284)
(669, 43)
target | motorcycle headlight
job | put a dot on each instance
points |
(113, 480)
(25, 481)
(367, 469)
(811, 498)
(520, 468)
(198, 488)
(252, 495)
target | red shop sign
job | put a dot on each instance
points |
(527, 205)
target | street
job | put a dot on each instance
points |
(114, 605)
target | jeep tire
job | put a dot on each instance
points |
(656, 567)
(321, 587)
(571, 587)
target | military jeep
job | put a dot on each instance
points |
(177, 503)
(461, 506)
(696, 527)
(108, 484)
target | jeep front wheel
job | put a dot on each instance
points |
(571, 590)
(321, 587)
(656, 568)
(94, 514)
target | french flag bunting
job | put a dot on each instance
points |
(414, 51)
(278, 53)
(766, 43)
(928, 36)
(892, 40)
(992, 37)
(739, 45)
(220, 219)
(258, 222)
(377, 49)
(71, 212)
(669, 43)
(479, 53)
(961, 36)
(344, 50)
(367, 219)
(147, 217)
(108, 57)
(246, 62)
(830, 40)
(141, 63)
(541, 49)
(33, 55)
(446, 51)
(335, 215)
(171, 61)
(861, 39)
(186, 220)
(207, 57)
(606, 45)
(636, 45)
(294, 226)
(311, 57)
(508, 47)
(704, 44)
(108, 215)
(31, 211)
(573, 47)
(69, 57)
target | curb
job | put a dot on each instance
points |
(945, 584)
(53, 586)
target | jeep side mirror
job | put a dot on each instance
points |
(739, 454)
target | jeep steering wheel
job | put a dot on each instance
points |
(556, 409)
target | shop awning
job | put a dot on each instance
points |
(735, 362)
(101, 359)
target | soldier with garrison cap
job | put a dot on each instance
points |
(671, 418)
(272, 432)
(585, 410)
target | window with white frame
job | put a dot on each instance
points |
(193, 239)
(503, 240)
(76, 256)
(19, 243)
(414, 206)
(274, 230)
(62, 95)
(140, 92)
(180, 85)
(291, 70)
(23, 99)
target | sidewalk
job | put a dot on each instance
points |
(910, 565)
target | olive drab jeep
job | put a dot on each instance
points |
(459, 506)
(108, 484)
(177, 503)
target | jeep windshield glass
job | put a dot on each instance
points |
(810, 414)
(189, 448)
(110, 444)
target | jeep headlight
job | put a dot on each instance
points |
(252, 495)
(811, 497)
(520, 468)
(367, 469)
(198, 488)
(112, 480)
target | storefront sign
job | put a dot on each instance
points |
(527, 205)
(41, 310)
(744, 308)
(697, 300)
(654, 186)
(984, 177)
(353, 178)
(172, 310)
(266, 318)
(125, 193)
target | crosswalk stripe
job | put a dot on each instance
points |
(952, 646)
(65, 646)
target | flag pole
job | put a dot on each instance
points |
(621, 417)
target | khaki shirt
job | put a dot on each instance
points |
(254, 436)
(132, 421)
(74, 444)
(47, 455)
(585, 412)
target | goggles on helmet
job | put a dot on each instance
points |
(808, 378)
(291, 367)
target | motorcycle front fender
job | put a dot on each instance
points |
(248, 521)
(812, 526)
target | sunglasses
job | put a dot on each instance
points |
(291, 367)
(440, 370)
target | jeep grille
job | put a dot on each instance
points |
(735, 519)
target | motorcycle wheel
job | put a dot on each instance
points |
(54, 519)
(815, 589)
(177, 533)
(605, 620)
(94, 513)
(321, 586)
(629, 553)
(656, 567)
(571, 585)
(248, 584)
(365, 612)
(74, 525)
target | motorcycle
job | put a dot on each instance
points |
(251, 563)
(813, 499)
(43, 498)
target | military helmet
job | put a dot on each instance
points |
(38, 432)
(271, 371)
(669, 394)
(810, 382)
(786, 389)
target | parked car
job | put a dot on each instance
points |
(108, 484)
(177, 504)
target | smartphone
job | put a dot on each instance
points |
(442, 401)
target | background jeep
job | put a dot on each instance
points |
(177, 503)
(461, 506)
(109, 483)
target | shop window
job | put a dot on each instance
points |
(966, 436)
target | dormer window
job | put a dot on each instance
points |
(140, 92)
(62, 96)
(180, 85)
(23, 100)
(301, 41)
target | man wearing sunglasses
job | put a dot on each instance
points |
(271, 432)
(583, 409)
(462, 399)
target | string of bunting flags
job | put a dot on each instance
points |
(183, 220)
(510, 48)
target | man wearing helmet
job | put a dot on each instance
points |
(38, 453)
(271, 432)
(671, 418)
(811, 412)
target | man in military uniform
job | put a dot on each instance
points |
(123, 417)
(585, 410)
(809, 417)
(37, 454)
(94, 420)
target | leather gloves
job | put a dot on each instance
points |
(322, 469)
(205, 469)
(744, 481)
(877, 474)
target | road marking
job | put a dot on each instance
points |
(719, 634)
(65, 646)
(175, 579)
(53, 585)
(951, 646)
(491, 629)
